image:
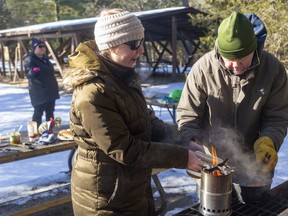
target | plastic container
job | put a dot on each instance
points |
(32, 130)
(15, 138)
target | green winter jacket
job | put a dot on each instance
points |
(230, 111)
(114, 131)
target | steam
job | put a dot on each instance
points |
(230, 145)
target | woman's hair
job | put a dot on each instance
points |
(106, 52)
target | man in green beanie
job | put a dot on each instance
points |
(236, 98)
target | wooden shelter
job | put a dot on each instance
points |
(165, 29)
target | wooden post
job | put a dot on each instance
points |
(20, 58)
(16, 76)
(174, 46)
(3, 60)
(54, 58)
(9, 62)
(23, 47)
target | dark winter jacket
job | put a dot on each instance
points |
(43, 86)
(114, 131)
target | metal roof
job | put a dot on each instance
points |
(157, 24)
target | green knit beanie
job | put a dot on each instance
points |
(236, 37)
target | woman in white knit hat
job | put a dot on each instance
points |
(119, 139)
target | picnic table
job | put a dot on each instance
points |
(161, 100)
(13, 152)
(25, 150)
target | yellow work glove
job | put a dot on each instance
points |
(265, 153)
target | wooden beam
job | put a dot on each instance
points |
(23, 47)
(20, 60)
(54, 56)
(146, 54)
(174, 46)
(165, 47)
(160, 55)
(3, 60)
(9, 61)
(16, 75)
(64, 49)
(40, 35)
(190, 53)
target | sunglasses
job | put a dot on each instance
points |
(135, 44)
(42, 46)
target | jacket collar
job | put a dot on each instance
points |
(249, 73)
(125, 74)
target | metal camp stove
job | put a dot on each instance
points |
(216, 190)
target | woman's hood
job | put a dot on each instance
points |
(84, 65)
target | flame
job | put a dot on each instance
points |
(215, 161)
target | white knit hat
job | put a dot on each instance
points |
(117, 29)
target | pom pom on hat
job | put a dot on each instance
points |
(36, 42)
(116, 29)
(236, 37)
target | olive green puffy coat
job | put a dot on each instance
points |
(114, 131)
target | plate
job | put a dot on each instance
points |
(194, 174)
(65, 135)
(4, 144)
(4, 141)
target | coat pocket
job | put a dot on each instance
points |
(93, 183)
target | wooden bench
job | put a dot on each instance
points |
(59, 196)
(37, 202)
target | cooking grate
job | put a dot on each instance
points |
(269, 207)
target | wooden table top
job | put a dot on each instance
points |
(13, 152)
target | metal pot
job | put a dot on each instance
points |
(247, 194)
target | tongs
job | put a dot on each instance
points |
(216, 167)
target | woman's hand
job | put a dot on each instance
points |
(194, 146)
(194, 162)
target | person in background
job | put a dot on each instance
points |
(43, 86)
(119, 139)
(236, 98)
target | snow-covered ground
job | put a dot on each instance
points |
(21, 178)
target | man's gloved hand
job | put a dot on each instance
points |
(263, 147)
